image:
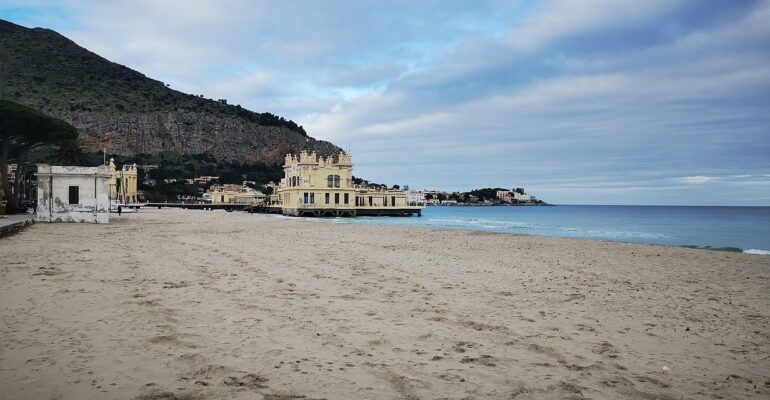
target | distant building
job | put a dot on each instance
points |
(237, 197)
(123, 183)
(228, 187)
(521, 197)
(73, 194)
(204, 179)
(324, 187)
(504, 196)
(415, 198)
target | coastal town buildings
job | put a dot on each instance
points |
(504, 196)
(517, 195)
(73, 194)
(323, 186)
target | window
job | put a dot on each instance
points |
(327, 198)
(74, 195)
(305, 197)
(370, 201)
(336, 181)
(330, 181)
(347, 199)
(393, 201)
(312, 198)
(336, 198)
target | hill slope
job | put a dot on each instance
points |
(107, 101)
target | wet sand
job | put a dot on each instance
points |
(180, 304)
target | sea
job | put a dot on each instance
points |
(738, 229)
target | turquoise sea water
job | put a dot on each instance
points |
(744, 229)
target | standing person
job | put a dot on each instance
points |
(119, 209)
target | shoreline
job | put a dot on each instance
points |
(344, 220)
(185, 304)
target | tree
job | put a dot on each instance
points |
(23, 128)
(71, 153)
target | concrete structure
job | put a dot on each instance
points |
(73, 194)
(316, 186)
(123, 183)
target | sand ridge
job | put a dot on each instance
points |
(189, 304)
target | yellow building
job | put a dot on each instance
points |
(123, 183)
(318, 186)
(229, 197)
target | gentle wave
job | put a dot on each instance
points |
(757, 251)
(729, 249)
(578, 232)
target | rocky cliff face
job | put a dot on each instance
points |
(111, 104)
(223, 137)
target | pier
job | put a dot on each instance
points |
(300, 212)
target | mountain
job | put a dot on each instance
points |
(110, 103)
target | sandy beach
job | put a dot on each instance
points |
(181, 304)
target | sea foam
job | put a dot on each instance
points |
(757, 251)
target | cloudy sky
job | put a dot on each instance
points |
(579, 101)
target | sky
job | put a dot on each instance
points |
(578, 101)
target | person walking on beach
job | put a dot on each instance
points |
(119, 209)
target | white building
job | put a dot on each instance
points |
(523, 198)
(505, 195)
(73, 194)
(415, 198)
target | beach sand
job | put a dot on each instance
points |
(182, 304)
